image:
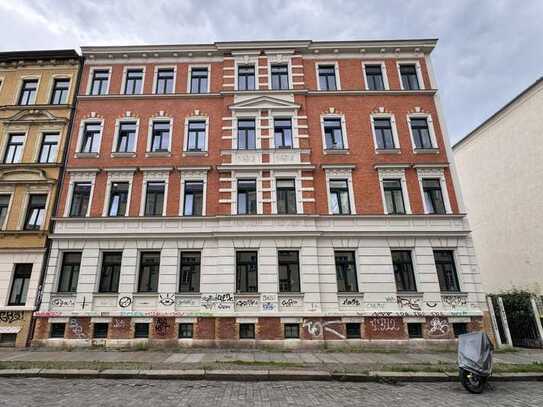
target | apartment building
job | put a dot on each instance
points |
(291, 193)
(37, 90)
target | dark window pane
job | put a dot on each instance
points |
(160, 140)
(133, 82)
(246, 134)
(111, 271)
(283, 133)
(118, 198)
(246, 331)
(339, 197)
(446, 270)
(246, 197)
(333, 134)
(164, 81)
(414, 330)
(19, 285)
(99, 84)
(403, 270)
(80, 199)
(460, 328)
(292, 331)
(198, 80)
(286, 196)
(393, 196)
(57, 330)
(60, 91)
(421, 133)
(352, 330)
(154, 199)
(289, 271)
(194, 198)
(433, 196)
(190, 272)
(196, 136)
(35, 212)
(90, 141)
(246, 77)
(327, 77)
(99, 330)
(374, 76)
(279, 76)
(48, 149)
(28, 92)
(149, 270)
(141, 330)
(347, 279)
(185, 330)
(69, 272)
(14, 148)
(247, 272)
(127, 137)
(383, 133)
(4, 205)
(410, 80)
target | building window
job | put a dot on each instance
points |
(14, 149)
(99, 330)
(149, 269)
(133, 82)
(246, 134)
(279, 76)
(91, 138)
(421, 133)
(193, 201)
(339, 197)
(190, 272)
(118, 198)
(164, 81)
(410, 80)
(69, 272)
(392, 189)
(48, 149)
(383, 134)
(60, 91)
(80, 199)
(282, 133)
(286, 196)
(160, 139)
(347, 280)
(126, 139)
(154, 198)
(100, 79)
(111, 271)
(289, 271)
(246, 331)
(4, 205)
(414, 330)
(28, 92)
(246, 197)
(57, 330)
(433, 196)
(246, 272)
(19, 286)
(35, 212)
(185, 331)
(196, 136)
(459, 328)
(246, 77)
(446, 270)
(403, 270)
(333, 134)
(374, 77)
(327, 77)
(352, 330)
(292, 331)
(141, 330)
(198, 80)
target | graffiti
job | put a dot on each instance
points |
(438, 326)
(46, 314)
(316, 328)
(125, 302)
(289, 302)
(384, 324)
(351, 302)
(76, 328)
(249, 302)
(63, 302)
(11, 316)
(268, 306)
(391, 299)
(187, 302)
(410, 302)
(120, 323)
(375, 305)
(268, 297)
(455, 301)
(314, 307)
(431, 304)
(162, 326)
(218, 302)
(167, 299)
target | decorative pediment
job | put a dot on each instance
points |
(35, 116)
(264, 103)
(24, 175)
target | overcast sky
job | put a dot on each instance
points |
(488, 51)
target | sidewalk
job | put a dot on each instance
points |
(260, 365)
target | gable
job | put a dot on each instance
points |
(264, 103)
(34, 116)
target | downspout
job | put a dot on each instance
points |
(53, 212)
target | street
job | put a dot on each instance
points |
(101, 392)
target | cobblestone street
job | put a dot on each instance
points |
(100, 392)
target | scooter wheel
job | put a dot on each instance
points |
(472, 382)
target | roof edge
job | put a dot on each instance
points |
(39, 54)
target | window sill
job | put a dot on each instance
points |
(87, 155)
(145, 294)
(336, 152)
(128, 154)
(158, 154)
(101, 294)
(426, 151)
(195, 153)
(387, 151)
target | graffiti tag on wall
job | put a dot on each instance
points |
(11, 316)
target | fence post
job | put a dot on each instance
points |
(504, 322)
(537, 319)
(494, 322)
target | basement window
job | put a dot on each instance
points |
(100, 330)
(185, 331)
(141, 330)
(292, 331)
(460, 328)
(246, 331)
(57, 330)
(353, 330)
(414, 330)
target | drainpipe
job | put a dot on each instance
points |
(53, 212)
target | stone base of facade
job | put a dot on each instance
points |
(273, 332)
(14, 328)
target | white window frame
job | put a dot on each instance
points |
(294, 126)
(76, 177)
(150, 134)
(186, 132)
(257, 175)
(193, 175)
(336, 69)
(431, 130)
(457, 265)
(189, 77)
(9, 133)
(51, 86)
(340, 173)
(417, 69)
(9, 193)
(392, 119)
(295, 175)
(424, 173)
(123, 83)
(91, 76)
(389, 174)
(247, 116)
(343, 130)
(274, 61)
(118, 123)
(155, 79)
(252, 60)
(82, 124)
(118, 175)
(412, 250)
(2, 80)
(383, 73)
(154, 175)
(20, 88)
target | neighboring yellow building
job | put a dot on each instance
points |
(37, 91)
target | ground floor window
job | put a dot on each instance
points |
(57, 330)
(246, 331)
(292, 331)
(352, 330)
(8, 339)
(414, 330)
(185, 331)
(460, 328)
(100, 330)
(141, 330)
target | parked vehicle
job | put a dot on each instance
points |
(474, 360)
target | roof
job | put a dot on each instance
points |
(37, 55)
(499, 113)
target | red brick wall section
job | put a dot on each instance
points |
(384, 328)
(333, 329)
(226, 328)
(120, 328)
(79, 328)
(205, 328)
(269, 329)
(163, 328)
(312, 329)
(438, 328)
(42, 329)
